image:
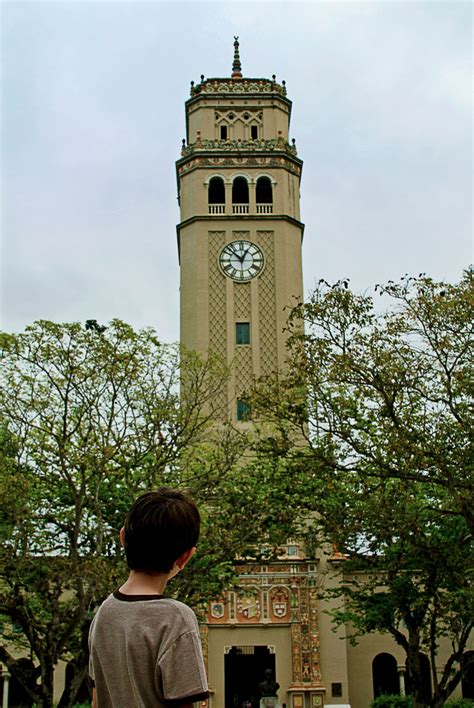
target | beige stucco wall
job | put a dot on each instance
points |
(202, 116)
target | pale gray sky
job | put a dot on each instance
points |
(93, 117)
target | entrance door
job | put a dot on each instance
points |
(244, 669)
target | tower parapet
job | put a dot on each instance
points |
(241, 86)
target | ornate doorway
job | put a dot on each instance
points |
(244, 669)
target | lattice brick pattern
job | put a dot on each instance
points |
(267, 305)
(244, 235)
(242, 301)
(217, 305)
(243, 369)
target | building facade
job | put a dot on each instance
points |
(239, 242)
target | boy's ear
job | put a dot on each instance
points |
(184, 557)
(122, 535)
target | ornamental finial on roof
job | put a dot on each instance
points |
(236, 66)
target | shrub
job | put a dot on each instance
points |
(392, 701)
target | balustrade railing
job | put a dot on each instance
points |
(241, 208)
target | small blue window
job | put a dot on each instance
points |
(242, 333)
(243, 409)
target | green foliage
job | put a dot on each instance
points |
(90, 418)
(459, 703)
(375, 414)
(392, 701)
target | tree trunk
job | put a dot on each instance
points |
(414, 671)
(79, 672)
(73, 684)
(47, 684)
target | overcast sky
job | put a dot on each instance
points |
(93, 117)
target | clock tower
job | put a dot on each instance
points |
(240, 234)
(239, 241)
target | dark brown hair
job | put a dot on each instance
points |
(159, 528)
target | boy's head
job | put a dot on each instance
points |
(159, 528)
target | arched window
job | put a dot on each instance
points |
(264, 195)
(385, 675)
(216, 191)
(240, 196)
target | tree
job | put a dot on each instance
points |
(90, 417)
(375, 412)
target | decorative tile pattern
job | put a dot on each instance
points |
(239, 86)
(274, 595)
(263, 145)
(187, 165)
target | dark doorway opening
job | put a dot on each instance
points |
(244, 669)
(467, 665)
(385, 675)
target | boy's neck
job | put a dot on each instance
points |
(141, 583)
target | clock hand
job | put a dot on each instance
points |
(241, 258)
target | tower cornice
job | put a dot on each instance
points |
(240, 147)
(222, 218)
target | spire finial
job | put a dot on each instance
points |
(236, 66)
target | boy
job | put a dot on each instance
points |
(145, 649)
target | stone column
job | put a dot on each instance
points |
(6, 680)
(252, 197)
(401, 678)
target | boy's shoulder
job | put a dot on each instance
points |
(167, 607)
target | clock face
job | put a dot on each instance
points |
(241, 260)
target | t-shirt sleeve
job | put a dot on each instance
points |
(183, 676)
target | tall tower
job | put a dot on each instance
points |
(240, 234)
(239, 243)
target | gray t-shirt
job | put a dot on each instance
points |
(145, 652)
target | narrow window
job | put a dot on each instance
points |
(243, 409)
(223, 132)
(240, 191)
(216, 191)
(254, 132)
(336, 690)
(264, 192)
(242, 332)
